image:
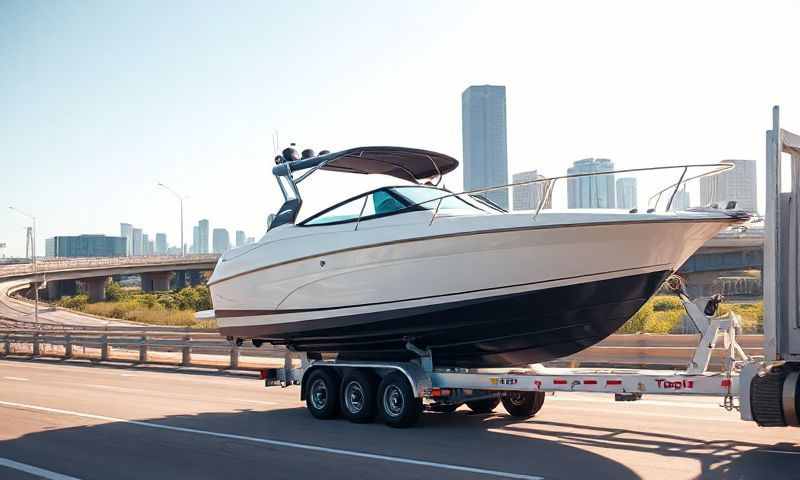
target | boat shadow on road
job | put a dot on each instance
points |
(249, 447)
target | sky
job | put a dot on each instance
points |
(99, 101)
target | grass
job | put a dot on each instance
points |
(174, 308)
(664, 314)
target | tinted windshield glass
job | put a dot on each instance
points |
(378, 203)
(429, 195)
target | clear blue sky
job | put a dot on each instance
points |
(100, 100)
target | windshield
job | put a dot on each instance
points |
(430, 195)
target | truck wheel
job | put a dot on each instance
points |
(444, 408)
(359, 388)
(483, 406)
(396, 402)
(523, 404)
(322, 398)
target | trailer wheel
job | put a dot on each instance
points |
(396, 402)
(444, 407)
(359, 389)
(322, 399)
(523, 404)
(485, 405)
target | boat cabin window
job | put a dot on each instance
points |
(378, 203)
(388, 201)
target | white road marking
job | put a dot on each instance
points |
(39, 472)
(280, 443)
(19, 379)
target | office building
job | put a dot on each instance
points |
(86, 246)
(240, 238)
(527, 197)
(222, 241)
(137, 247)
(202, 235)
(195, 240)
(270, 218)
(682, 200)
(146, 244)
(627, 196)
(126, 231)
(483, 128)
(737, 185)
(595, 191)
(161, 243)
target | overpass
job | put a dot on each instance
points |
(60, 274)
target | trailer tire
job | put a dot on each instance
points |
(523, 404)
(396, 402)
(485, 405)
(322, 394)
(358, 392)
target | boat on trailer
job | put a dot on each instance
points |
(450, 273)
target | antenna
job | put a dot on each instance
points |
(275, 142)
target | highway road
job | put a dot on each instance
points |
(72, 420)
(11, 308)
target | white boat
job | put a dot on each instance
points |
(418, 267)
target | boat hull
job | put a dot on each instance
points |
(497, 331)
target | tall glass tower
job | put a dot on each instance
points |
(483, 125)
(595, 191)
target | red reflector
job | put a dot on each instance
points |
(436, 392)
(590, 382)
(559, 381)
(613, 382)
(262, 374)
(726, 382)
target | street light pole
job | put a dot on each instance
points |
(180, 199)
(35, 270)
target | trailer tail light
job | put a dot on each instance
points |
(262, 374)
(726, 382)
(440, 392)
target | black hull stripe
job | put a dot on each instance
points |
(480, 232)
(254, 313)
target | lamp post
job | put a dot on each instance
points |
(35, 270)
(180, 199)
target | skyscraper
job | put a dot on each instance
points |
(738, 184)
(527, 197)
(483, 127)
(146, 244)
(682, 200)
(137, 247)
(222, 240)
(202, 232)
(627, 196)
(126, 231)
(195, 240)
(240, 238)
(596, 191)
(87, 246)
(161, 243)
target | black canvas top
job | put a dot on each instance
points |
(410, 164)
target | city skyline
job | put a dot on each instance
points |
(200, 113)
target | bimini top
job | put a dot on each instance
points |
(411, 164)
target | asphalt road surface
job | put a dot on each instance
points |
(13, 309)
(71, 420)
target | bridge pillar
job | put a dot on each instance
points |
(155, 281)
(58, 288)
(180, 279)
(96, 288)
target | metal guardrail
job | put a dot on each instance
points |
(181, 343)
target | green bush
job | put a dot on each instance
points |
(77, 302)
(115, 292)
(636, 323)
(664, 303)
(664, 322)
